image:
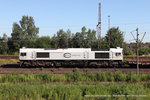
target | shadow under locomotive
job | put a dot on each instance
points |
(70, 66)
(9, 66)
(56, 66)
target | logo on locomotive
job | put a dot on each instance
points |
(67, 55)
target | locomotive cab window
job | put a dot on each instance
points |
(118, 54)
(22, 54)
(42, 54)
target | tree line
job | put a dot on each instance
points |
(26, 34)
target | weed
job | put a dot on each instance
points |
(119, 77)
(100, 76)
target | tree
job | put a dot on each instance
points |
(54, 42)
(144, 50)
(16, 37)
(104, 43)
(116, 37)
(62, 39)
(43, 42)
(129, 52)
(24, 33)
(69, 38)
(84, 39)
(3, 44)
(30, 31)
(77, 40)
(90, 39)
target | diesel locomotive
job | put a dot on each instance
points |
(70, 57)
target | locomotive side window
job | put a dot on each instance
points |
(101, 55)
(22, 54)
(42, 55)
(118, 54)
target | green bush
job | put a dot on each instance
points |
(143, 77)
(16, 53)
(119, 77)
(76, 76)
(131, 77)
(100, 76)
(69, 77)
(58, 78)
(87, 76)
(148, 77)
(147, 85)
(42, 77)
(109, 76)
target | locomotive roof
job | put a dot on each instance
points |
(69, 49)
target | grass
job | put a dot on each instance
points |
(8, 61)
(71, 92)
(39, 87)
(75, 77)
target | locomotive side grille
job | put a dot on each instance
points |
(43, 55)
(99, 49)
(101, 55)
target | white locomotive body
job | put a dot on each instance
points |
(70, 57)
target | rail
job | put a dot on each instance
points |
(133, 58)
(9, 57)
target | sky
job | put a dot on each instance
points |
(52, 15)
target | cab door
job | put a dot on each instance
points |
(33, 55)
(86, 56)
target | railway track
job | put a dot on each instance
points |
(14, 69)
(9, 57)
(130, 60)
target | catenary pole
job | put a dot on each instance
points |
(137, 55)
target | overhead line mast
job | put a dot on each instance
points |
(99, 27)
(108, 31)
(137, 55)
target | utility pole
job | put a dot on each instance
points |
(137, 55)
(108, 30)
(99, 27)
